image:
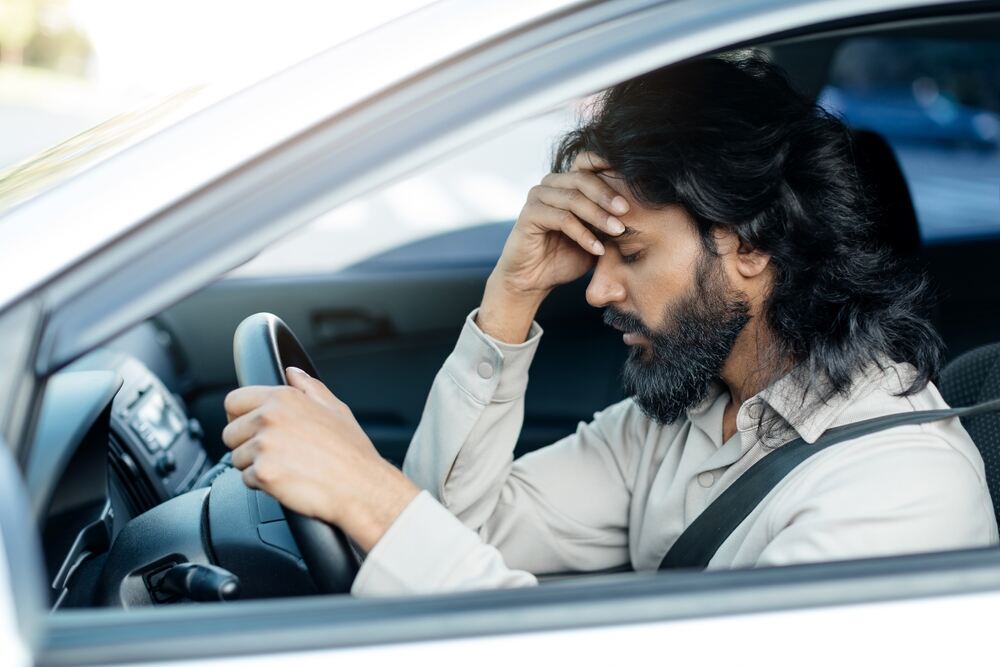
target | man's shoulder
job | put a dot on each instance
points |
(935, 452)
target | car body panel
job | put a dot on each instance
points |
(889, 633)
(655, 602)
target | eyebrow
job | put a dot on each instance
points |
(629, 233)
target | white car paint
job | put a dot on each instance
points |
(13, 646)
(936, 631)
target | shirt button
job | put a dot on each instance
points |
(706, 479)
(755, 410)
(485, 370)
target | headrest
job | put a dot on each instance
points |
(894, 217)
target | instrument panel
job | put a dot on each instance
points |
(154, 446)
(112, 442)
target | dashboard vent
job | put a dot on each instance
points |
(134, 484)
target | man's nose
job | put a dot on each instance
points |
(604, 288)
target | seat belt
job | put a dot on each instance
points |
(698, 543)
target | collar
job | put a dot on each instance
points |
(794, 405)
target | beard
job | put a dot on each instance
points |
(675, 372)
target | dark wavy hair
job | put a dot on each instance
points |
(730, 140)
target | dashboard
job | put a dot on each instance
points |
(112, 442)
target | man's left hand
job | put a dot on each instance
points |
(302, 445)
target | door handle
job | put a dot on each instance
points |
(349, 325)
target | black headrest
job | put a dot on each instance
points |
(895, 220)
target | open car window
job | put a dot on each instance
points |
(937, 102)
(481, 185)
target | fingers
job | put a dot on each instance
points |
(250, 478)
(314, 389)
(299, 379)
(596, 190)
(580, 206)
(244, 455)
(548, 218)
(246, 399)
(588, 161)
(242, 428)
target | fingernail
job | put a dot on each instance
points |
(619, 205)
(294, 369)
(615, 225)
(598, 248)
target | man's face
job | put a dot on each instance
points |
(673, 302)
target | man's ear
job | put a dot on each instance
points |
(747, 261)
(750, 262)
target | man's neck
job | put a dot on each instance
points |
(750, 368)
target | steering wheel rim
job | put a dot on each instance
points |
(263, 346)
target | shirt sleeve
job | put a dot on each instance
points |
(485, 520)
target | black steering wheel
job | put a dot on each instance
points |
(263, 346)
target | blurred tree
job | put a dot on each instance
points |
(18, 24)
(40, 33)
(65, 49)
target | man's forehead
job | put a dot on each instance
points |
(641, 219)
(617, 183)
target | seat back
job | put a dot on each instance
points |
(974, 377)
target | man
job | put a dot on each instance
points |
(727, 232)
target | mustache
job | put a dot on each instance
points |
(625, 322)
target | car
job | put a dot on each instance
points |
(128, 257)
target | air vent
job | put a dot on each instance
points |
(138, 491)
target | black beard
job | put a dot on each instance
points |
(676, 372)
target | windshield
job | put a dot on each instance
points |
(50, 167)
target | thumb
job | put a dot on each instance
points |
(312, 387)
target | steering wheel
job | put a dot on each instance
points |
(263, 346)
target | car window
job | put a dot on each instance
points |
(480, 190)
(937, 103)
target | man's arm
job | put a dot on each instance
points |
(563, 508)
(302, 444)
(484, 520)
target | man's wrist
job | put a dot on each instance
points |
(369, 518)
(506, 314)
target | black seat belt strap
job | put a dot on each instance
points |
(698, 543)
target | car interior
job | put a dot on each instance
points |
(132, 512)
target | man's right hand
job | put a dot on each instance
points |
(552, 243)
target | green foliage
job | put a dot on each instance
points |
(39, 33)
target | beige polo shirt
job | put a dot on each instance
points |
(621, 489)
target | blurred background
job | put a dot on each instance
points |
(67, 65)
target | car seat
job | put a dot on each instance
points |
(972, 378)
(895, 221)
